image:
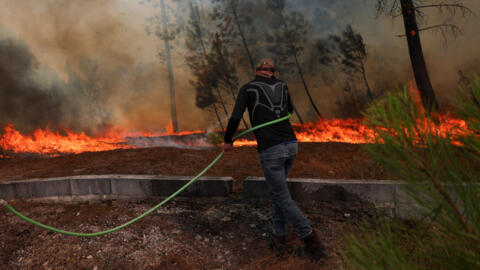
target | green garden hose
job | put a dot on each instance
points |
(11, 209)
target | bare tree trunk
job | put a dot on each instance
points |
(218, 118)
(173, 109)
(221, 101)
(364, 75)
(416, 56)
(297, 114)
(244, 41)
(293, 50)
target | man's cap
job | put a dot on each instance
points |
(265, 63)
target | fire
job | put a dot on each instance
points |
(169, 128)
(329, 130)
(48, 143)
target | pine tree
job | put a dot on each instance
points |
(163, 29)
(442, 176)
(294, 31)
(412, 11)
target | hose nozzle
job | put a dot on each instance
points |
(3, 202)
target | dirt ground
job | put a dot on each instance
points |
(185, 234)
(314, 160)
(228, 233)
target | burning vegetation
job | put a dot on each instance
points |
(94, 101)
(45, 142)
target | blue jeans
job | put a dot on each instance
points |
(276, 162)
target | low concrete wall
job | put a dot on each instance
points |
(384, 194)
(114, 186)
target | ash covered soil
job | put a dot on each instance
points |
(225, 233)
(314, 160)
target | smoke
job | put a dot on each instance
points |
(388, 60)
(84, 65)
(22, 101)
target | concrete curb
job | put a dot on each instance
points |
(114, 186)
(384, 194)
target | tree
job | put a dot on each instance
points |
(216, 60)
(223, 67)
(232, 23)
(410, 10)
(353, 55)
(204, 97)
(171, 80)
(195, 42)
(242, 27)
(91, 92)
(294, 31)
(197, 61)
(348, 52)
(161, 25)
(442, 176)
(233, 5)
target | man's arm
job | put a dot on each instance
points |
(238, 110)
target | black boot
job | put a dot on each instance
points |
(278, 243)
(314, 248)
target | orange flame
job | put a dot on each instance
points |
(328, 130)
(46, 142)
(169, 128)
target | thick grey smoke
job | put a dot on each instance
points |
(87, 64)
(22, 101)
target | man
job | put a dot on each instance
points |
(267, 99)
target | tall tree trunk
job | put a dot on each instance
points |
(173, 109)
(221, 101)
(364, 75)
(244, 41)
(218, 118)
(293, 50)
(416, 56)
(297, 114)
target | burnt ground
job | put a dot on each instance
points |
(315, 160)
(227, 233)
(185, 234)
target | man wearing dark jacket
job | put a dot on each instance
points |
(267, 99)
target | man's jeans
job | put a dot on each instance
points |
(276, 162)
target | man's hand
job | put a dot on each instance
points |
(227, 147)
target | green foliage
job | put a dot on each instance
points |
(442, 172)
(215, 139)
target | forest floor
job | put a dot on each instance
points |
(208, 233)
(314, 160)
(228, 233)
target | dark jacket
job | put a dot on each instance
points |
(267, 99)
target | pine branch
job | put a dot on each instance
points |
(436, 182)
(452, 8)
(456, 31)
